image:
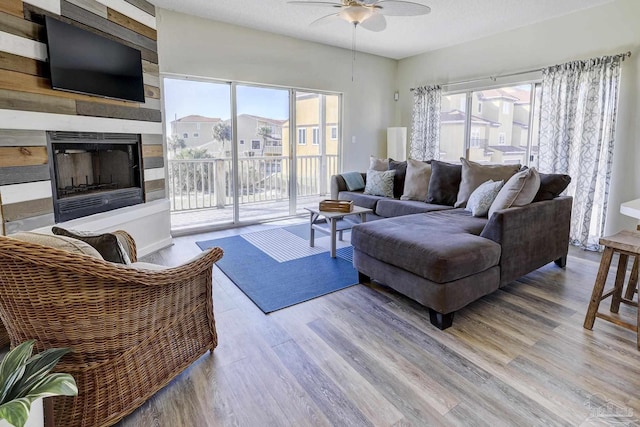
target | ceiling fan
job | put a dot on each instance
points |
(369, 14)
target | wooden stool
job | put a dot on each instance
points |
(626, 243)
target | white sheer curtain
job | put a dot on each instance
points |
(577, 133)
(425, 127)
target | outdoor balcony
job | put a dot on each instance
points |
(201, 191)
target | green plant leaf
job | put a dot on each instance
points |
(16, 412)
(37, 368)
(56, 384)
(12, 367)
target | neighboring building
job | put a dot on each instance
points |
(311, 110)
(194, 130)
(259, 136)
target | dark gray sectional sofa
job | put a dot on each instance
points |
(443, 257)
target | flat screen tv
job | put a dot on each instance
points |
(87, 63)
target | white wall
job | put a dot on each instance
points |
(197, 47)
(604, 30)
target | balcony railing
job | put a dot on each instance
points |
(208, 183)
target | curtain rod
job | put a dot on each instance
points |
(517, 73)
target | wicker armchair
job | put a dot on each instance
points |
(131, 331)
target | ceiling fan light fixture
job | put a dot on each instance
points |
(356, 14)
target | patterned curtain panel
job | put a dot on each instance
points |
(425, 128)
(577, 133)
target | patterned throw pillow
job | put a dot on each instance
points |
(380, 183)
(482, 197)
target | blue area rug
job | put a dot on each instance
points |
(277, 268)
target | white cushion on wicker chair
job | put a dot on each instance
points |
(58, 242)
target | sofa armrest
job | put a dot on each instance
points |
(338, 184)
(531, 236)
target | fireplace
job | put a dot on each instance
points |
(94, 172)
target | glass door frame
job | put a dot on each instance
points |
(292, 91)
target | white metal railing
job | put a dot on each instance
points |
(208, 183)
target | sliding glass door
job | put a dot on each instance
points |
(494, 125)
(241, 153)
(263, 179)
(317, 144)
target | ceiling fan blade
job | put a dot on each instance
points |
(401, 8)
(376, 22)
(323, 20)
(316, 3)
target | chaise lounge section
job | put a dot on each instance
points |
(445, 258)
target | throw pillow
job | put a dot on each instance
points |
(379, 183)
(474, 174)
(551, 185)
(399, 177)
(378, 164)
(353, 180)
(416, 184)
(106, 244)
(482, 197)
(444, 183)
(518, 191)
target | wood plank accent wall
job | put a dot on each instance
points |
(25, 88)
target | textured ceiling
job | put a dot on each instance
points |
(450, 21)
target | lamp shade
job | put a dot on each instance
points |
(397, 143)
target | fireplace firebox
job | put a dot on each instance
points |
(94, 172)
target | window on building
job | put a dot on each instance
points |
(502, 138)
(198, 125)
(185, 135)
(505, 107)
(475, 139)
(302, 136)
(479, 107)
(316, 136)
(334, 132)
(453, 116)
(242, 142)
(255, 144)
(196, 135)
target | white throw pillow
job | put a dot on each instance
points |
(482, 197)
(380, 183)
(416, 183)
(518, 191)
(378, 164)
(474, 174)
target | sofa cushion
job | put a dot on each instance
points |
(440, 251)
(416, 184)
(58, 242)
(519, 190)
(482, 197)
(399, 177)
(444, 183)
(392, 207)
(551, 185)
(360, 199)
(473, 174)
(107, 244)
(379, 183)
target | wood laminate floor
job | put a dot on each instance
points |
(367, 356)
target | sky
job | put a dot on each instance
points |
(186, 97)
